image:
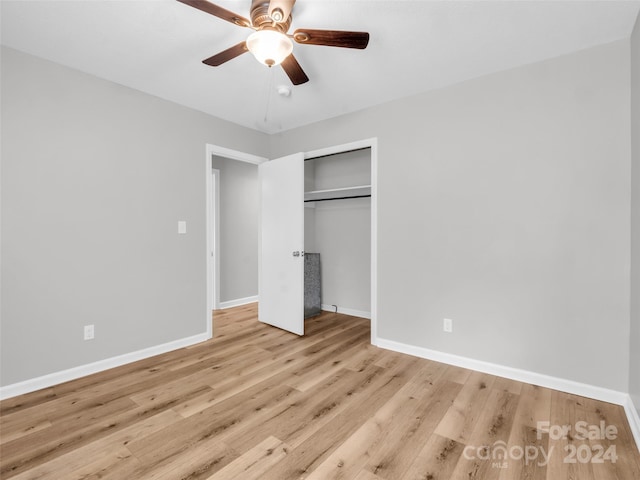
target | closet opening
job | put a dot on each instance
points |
(338, 232)
(320, 204)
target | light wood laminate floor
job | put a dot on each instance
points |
(259, 403)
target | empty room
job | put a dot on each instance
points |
(304, 239)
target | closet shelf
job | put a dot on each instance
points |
(338, 193)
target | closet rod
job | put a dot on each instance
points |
(338, 198)
(338, 153)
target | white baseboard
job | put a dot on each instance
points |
(547, 381)
(634, 419)
(56, 378)
(239, 301)
(346, 311)
(555, 383)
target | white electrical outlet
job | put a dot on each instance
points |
(447, 325)
(89, 332)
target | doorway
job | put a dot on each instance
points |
(283, 238)
(216, 293)
(370, 145)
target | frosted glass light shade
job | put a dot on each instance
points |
(269, 47)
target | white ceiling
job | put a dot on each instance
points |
(157, 46)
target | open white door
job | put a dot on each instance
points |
(281, 286)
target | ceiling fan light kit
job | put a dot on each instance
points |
(270, 44)
(270, 47)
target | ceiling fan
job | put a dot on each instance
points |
(270, 43)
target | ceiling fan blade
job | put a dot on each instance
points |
(285, 6)
(332, 38)
(217, 11)
(226, 55)
(294, 71)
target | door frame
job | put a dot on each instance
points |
(212, 227)
(371, 143)
(214, 217)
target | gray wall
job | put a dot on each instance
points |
(239, 202)
(343, 239)
(95, 177)
(634, 365)
(504, 204)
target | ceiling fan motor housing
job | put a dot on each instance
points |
(260, 17)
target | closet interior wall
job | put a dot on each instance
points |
(340, 230)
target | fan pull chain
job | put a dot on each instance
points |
(269, 88)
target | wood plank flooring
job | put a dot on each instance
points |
(259, 403)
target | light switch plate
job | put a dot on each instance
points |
(182, 227)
